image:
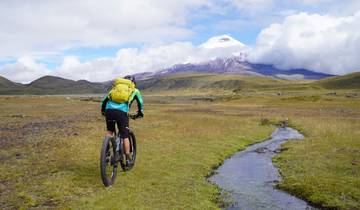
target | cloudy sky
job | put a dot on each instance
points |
(99, 40)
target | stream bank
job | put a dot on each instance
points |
(248, 178)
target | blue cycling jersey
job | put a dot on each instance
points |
(125, 106)
(122, 107)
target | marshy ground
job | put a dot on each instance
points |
(50, 150)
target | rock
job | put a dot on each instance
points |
(261, 150)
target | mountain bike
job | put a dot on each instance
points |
(112, 153)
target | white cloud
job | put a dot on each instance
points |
(155, 58)
(134, 60)
(43, 27)
(224, 41)
(40, 29)
(290, 77)
(97, 70)
(128, 61)
(323, 43)
(25, 70)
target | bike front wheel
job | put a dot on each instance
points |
(108, 165)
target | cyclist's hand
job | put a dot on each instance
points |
(140, 114)
(133, 116)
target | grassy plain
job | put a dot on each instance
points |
(50, 149)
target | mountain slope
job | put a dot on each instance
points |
(7, 86)
(236, 65)
(202, 82)
(226, 55)
(349, 81)
(58, 85)
(5, 83)
(270, 70)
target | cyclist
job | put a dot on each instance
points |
(118, 112)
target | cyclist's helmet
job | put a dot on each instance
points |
(131, 78)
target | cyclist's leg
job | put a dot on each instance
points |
(127, 147)
(110, 123)
(123, 125)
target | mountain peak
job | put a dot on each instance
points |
(222, 41)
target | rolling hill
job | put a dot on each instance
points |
(58, 85)
(197, 82)
(349, 81)
(50, 85)
(190, 82)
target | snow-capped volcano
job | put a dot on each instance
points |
(223, 41)
(226, 55)
(234, 65)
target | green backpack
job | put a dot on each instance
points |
(122, 90)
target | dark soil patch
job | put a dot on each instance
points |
(15, 134)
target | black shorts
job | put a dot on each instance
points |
(122, 121)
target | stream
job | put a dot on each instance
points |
(247, 179)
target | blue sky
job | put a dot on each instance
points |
(68, 37)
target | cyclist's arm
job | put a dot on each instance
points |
(103, 104)
(138, 98)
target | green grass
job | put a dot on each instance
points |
(50, 148)
(349, 81)
(325, 168)
(176, 152)
(191, 83)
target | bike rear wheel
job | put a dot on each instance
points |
(108, 165)
(132, 140)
